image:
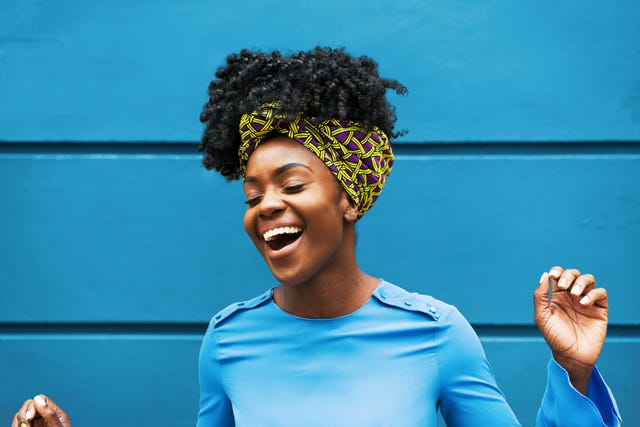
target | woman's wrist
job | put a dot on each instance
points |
(579, 373)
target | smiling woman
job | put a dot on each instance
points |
(309, 134)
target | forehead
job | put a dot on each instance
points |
(281, 150)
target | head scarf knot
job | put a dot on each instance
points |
(361, 161)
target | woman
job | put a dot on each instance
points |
(333, 345)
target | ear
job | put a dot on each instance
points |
(350, 210)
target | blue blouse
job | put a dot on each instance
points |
(394, 362)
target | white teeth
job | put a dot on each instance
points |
(272, 234)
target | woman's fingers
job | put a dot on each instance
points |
(571, 280)
(555, 272)
(575, 283)
(583, 284)
(542, 291)
(51, 414)
(567, 278)
(25, 415)
(43, 410)
(40, 411)
(541, 299)
(596, 296)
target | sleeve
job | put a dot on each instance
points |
(564, 406)
(469, 395)
(215, 407)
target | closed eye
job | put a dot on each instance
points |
(253, 201)
(291, 189)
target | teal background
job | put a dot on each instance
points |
(117, 246)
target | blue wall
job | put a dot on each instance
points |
(116, 246)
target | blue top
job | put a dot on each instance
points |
(393, 362)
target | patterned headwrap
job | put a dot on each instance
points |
(360, 160)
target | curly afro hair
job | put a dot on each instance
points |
(320, 84)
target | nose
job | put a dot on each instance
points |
(271, 204)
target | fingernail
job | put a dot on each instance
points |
(576, 291)
(543, 277)
(27, 415)
(562, 284)
(585, 299)
(40, 401)
(23, 424)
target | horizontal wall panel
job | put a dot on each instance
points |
(104, 381)
(145, 238)
(493, 70)
(157, 238)
(126, 381)
(478, 231)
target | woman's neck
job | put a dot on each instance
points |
(327, 295)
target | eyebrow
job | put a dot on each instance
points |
(279, 171)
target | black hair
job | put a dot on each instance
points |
(322, 84)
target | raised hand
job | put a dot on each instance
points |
(573, 320)
(40, 412)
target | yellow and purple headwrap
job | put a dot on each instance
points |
(361, 161)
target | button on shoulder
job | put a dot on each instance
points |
(395, 296)
(231, 309)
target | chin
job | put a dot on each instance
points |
(288, 277)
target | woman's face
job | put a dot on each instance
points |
(296, 211)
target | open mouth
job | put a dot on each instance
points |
(280, 237)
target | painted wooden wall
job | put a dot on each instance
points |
(116, 246)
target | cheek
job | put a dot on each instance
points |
(327, 219)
